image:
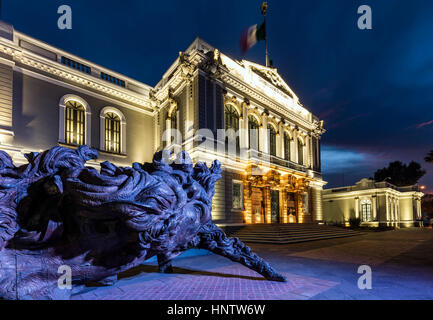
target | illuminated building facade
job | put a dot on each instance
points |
(375, 203)
(271, 148)
(208, 104)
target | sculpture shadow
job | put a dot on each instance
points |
(136, 271)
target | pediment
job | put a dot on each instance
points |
(272, 76)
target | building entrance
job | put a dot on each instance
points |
(257, 204)
(275, 206)
(291, 208)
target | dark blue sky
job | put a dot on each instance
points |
(374, 89)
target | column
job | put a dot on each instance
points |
(168, 132)
(243, 125)
(387, 208)
(283, 195)
(267, 200)
(310, 152)
(295, 146)
(397, 208)
(317, 204)
(280, 140)
(278, 144)
(300, 207)
(248, 209)
(157, 132)
(189, 130)
(374, 205)
(356, 207)
(264, 135)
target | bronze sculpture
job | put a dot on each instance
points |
(55, 211)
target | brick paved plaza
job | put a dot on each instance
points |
(401, 261)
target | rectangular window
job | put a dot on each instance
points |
(112, 79)
(366, 212)
(76, 65)
(112, 135)
(74, 124)
(300, 153)
(238, 197)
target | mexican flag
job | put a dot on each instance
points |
(252, 35)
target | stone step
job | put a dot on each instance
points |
(246, 232)
(292, 231)
(291, 236)
(297, 240)
(288, 233)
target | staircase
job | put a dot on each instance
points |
(287, 233)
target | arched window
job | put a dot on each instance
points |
(75, 123)
(272, 140)
(74, 120)
(173, 119)
(112, 132)
(300, 152)
(366, 210)
(253, 133)
(232, 124)
(286, 146)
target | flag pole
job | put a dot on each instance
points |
(264, 9)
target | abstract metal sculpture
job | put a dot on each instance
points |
(55, 211)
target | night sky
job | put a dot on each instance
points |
(373, 88)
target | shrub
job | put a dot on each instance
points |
(355, 222)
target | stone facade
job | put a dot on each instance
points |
(276, 179)
(375, 203)
(50, 97)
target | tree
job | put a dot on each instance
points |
(427, 205)
(429, 157)
(400, 174)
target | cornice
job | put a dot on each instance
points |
(58, 70)
(265, 102)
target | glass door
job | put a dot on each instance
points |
(275, 206)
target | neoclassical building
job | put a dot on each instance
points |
(214, 107)
(375, 203)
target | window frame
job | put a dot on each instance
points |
(62, 118)
(233, 111)
(250, 147)
(368, 205)
(75, 123)
(241, 190)
(301, 146)
(122, 140)
(287, 141)
(272, 146)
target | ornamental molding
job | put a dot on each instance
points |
(263, 100)
(55, 69)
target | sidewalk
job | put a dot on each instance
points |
(401, 262)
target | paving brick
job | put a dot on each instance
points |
(327, 269)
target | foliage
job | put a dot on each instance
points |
(427, 204)
(355, 222)
(400, 174)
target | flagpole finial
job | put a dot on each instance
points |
(264, 8)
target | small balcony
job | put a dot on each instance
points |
(261, 156)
